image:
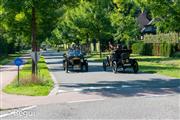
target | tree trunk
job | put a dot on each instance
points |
(33, 39)
(99, 39)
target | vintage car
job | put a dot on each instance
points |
(75, 60)
(122, 60)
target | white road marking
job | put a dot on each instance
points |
(61, 91)
(16, 111)
(93, 88)
(125, 86)
(28, 108)
(77, 89)
(109, 87)
(86, 88)
(89, 100)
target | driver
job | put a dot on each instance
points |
(118, 51)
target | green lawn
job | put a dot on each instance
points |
(96, 56)
(39, 87)
(158, 64)
(151, 64)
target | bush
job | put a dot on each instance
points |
(142, 48)
(157, 49)
(161, 44)
(137, 48)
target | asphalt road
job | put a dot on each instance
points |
(121, 95)
(115, 108)
(107, 83)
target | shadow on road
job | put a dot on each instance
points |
(54, 57)
(54, 62)
(130, 88)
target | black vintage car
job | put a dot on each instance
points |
(75, 60)
(120, 60)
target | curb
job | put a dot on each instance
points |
(55, 89)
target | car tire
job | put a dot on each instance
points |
(114, 66)
(86, 67)
(135, 67)
(104, 65)
(66, 66)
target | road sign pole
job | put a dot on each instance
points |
(18, 75)
(18, 62)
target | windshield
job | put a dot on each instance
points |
(74, 53)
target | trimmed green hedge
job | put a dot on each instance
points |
(157, 49)
(158, 45)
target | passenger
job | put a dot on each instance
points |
(70, 52)
(77, 51)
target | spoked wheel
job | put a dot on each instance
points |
(124, 68)
(66, 66)
(81, 67)
(135, 67)
(114, 66)
(86, 67)
(104, 65)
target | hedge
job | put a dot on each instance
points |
(159, 45)
(157, 49)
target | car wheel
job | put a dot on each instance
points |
(104, 65)
(135, 67)
(66, 66)
(114, 66)
(86, 67)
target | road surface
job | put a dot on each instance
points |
(117, 96)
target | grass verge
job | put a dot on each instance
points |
(41, 86)
(158, 64)
(95, 56)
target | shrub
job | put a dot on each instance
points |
(161, 44)
(142, 48)
(137, 48)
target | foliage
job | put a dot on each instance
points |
(138, 48)
(156, 49)
(83, 21)
(162, 38)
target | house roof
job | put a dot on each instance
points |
(142, 20)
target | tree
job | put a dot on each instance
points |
(124, 21)
(32, 16)
(87, 20)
